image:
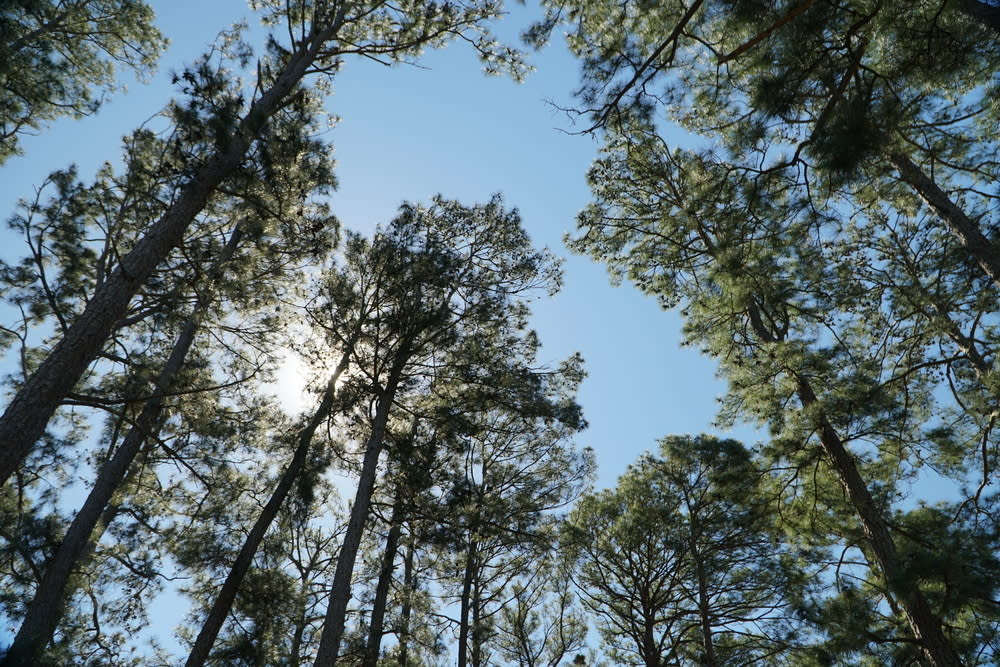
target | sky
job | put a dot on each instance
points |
(442, 126)
(407, 133)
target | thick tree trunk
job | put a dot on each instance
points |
(46, 607)
(28, 413)
(377, 620)
(227, 594)
(926, 627)
(340, 595)
(651, 656)
(968, 233)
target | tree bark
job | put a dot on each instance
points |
(28, 413)
(340, 595)
(377, 620)
(967, 231)
(227, 594)
(46, 607)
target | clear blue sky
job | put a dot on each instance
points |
(407, 133)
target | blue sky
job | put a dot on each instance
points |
(409, 132)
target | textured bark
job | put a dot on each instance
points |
(227, 593)
(28, 413)
(35, 634)
(340, 595)
(926, 627)
(47, 606)
(967, 231)
(377, 620)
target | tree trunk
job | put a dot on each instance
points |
(463, 627)
(651, 656)
(46, 607)
(942, 316)
(340, 595)
(28, 413)
(227, 594)
(705, 617)
(300, 631)
(382, 589)
(477, 627)
(409, 586)
(967, 231)
(926, 627)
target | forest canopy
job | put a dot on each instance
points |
(811, 185)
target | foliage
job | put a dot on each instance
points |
(59, 59)
(822, 242)
(826, 230)
(681, 561)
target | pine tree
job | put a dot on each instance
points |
(830, 162)
(447, 283)
(826, 359)
(681, 561)
(222, 125)
(59, 59)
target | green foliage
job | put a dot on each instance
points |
(681, 561)
(59, 59)
(807, 256)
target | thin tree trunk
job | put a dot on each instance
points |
(477, 629)
(942, 316)
(967, 231)
(377, 620)
(227, 594)
(926, 627)
(764, 34)
(300, 631)
(47, 606)
(340, 595)
(28, 413)
(409, 586)
(463, 620)
(703, 610)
